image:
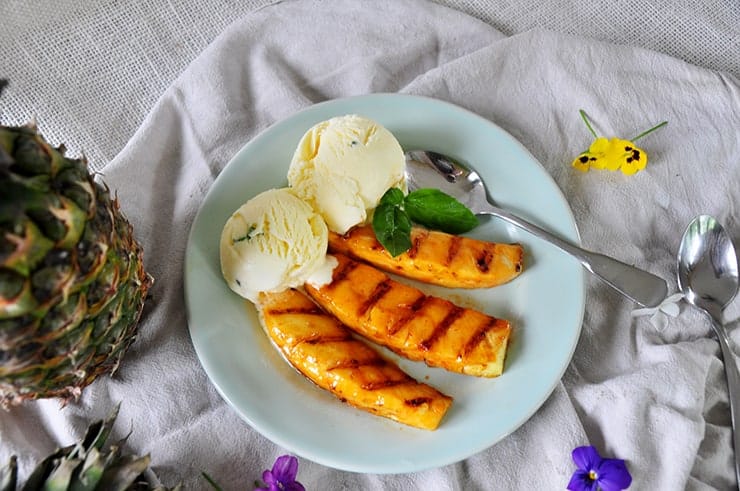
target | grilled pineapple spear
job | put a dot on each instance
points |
(436, 257)
(411, 323)
(325, 351)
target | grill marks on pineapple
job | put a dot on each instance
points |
(436, 258)
(340, 273)
(442, 327)
(413, 311)
(337, 336)
(417, 241)
(409, 315)
(354, 363)
(387, 383)
(455, 242)
(479, 336)
(415, 325)
(380, 290)
(483, 260)
(326, 352)
(311, 310)
(419, 401)
(451, 243)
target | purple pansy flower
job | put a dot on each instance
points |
(595, 472)
(282, 475)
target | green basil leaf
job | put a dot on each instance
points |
(440, 211)
(393, 196)
(392, 227)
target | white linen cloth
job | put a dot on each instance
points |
(655, 397)
(92, 70)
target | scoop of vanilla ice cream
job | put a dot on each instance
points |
(343, 166)
(273, 242)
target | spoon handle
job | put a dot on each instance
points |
(641, 287)
(733, 386)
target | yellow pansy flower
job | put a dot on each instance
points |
(613, 153)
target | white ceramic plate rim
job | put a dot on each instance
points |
(546, 303)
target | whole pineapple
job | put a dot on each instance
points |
(72, 280)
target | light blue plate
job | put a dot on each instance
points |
(545, 304)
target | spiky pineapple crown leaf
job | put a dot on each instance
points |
(87, 465)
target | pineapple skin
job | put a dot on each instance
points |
(72, 278)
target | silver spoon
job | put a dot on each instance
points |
(426, 169)
(708, 277)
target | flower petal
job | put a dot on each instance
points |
(600, 145)
(268, 478)
(581, 162)
(629, 168)
(613, 475)
(285, 468)
(580, 481)
(586, 458)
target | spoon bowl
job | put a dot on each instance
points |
(708, 278)
(707, 265)
(425, 169)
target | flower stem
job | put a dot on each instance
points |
(211, 481)
(588, 124)
(647, 132)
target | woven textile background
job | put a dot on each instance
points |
(89, 72)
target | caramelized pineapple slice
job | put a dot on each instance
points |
(411, 323)
(436, 258)
(325, 351)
